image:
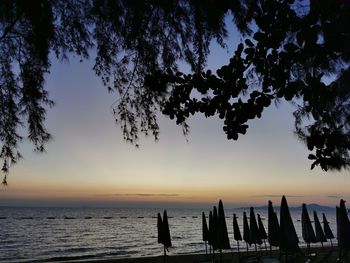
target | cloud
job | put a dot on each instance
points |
(138, 194)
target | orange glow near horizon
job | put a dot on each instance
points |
(87, 160)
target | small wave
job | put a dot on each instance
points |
(66, 258)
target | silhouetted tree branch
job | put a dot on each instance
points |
(298, 52)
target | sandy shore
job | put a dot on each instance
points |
(326, 254)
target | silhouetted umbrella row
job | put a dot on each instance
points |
(216, 234)
(282, 235)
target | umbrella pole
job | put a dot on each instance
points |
(331, 243)
(220, 255)
(209, 251)
(247, 248)
(206, 248)
(265, 245)
(164, 254)
(238, 249)
(270, 251)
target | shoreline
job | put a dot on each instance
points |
(327, 251)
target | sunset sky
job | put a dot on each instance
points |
(88, 163)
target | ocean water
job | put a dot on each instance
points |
(48, 234)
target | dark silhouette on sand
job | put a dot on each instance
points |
(262, 231)
(236, 231)
(327, 230)
(307, 229)
(164, 232)
(205, 232)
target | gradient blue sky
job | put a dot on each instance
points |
(87, 163)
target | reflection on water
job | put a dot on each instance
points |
(46, 233)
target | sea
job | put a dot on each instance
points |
(53, 234)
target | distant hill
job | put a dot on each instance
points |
(310, 207)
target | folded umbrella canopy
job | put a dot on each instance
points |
(320, 236)
(246, 234)
(223, 240)
(211, 234)
(163, 232)
(261, 231)
(288, 237)
(327, 230)
(210, 237)
(214, 230)
(337, 221)
(205, 232)
(236, 231)
(273, 228)
(343, 229)
(254, 230)
(160, 229)
(307, 229)
(166, 231)
(222, 234)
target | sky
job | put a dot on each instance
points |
(88, 164)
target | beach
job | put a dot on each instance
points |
(325, 254)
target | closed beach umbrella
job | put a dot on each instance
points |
(160, 229)
(344, 226)
(205, 232)
(288, 237)
(262, 231)
(215, 229)
(223, 240)
(246, 234)
(167, 238)
(337, 221)
(236, 231)
(254, 230)
(320, 236)
(273, 227)
(327, 230)
(307, 229)
(211, 227)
